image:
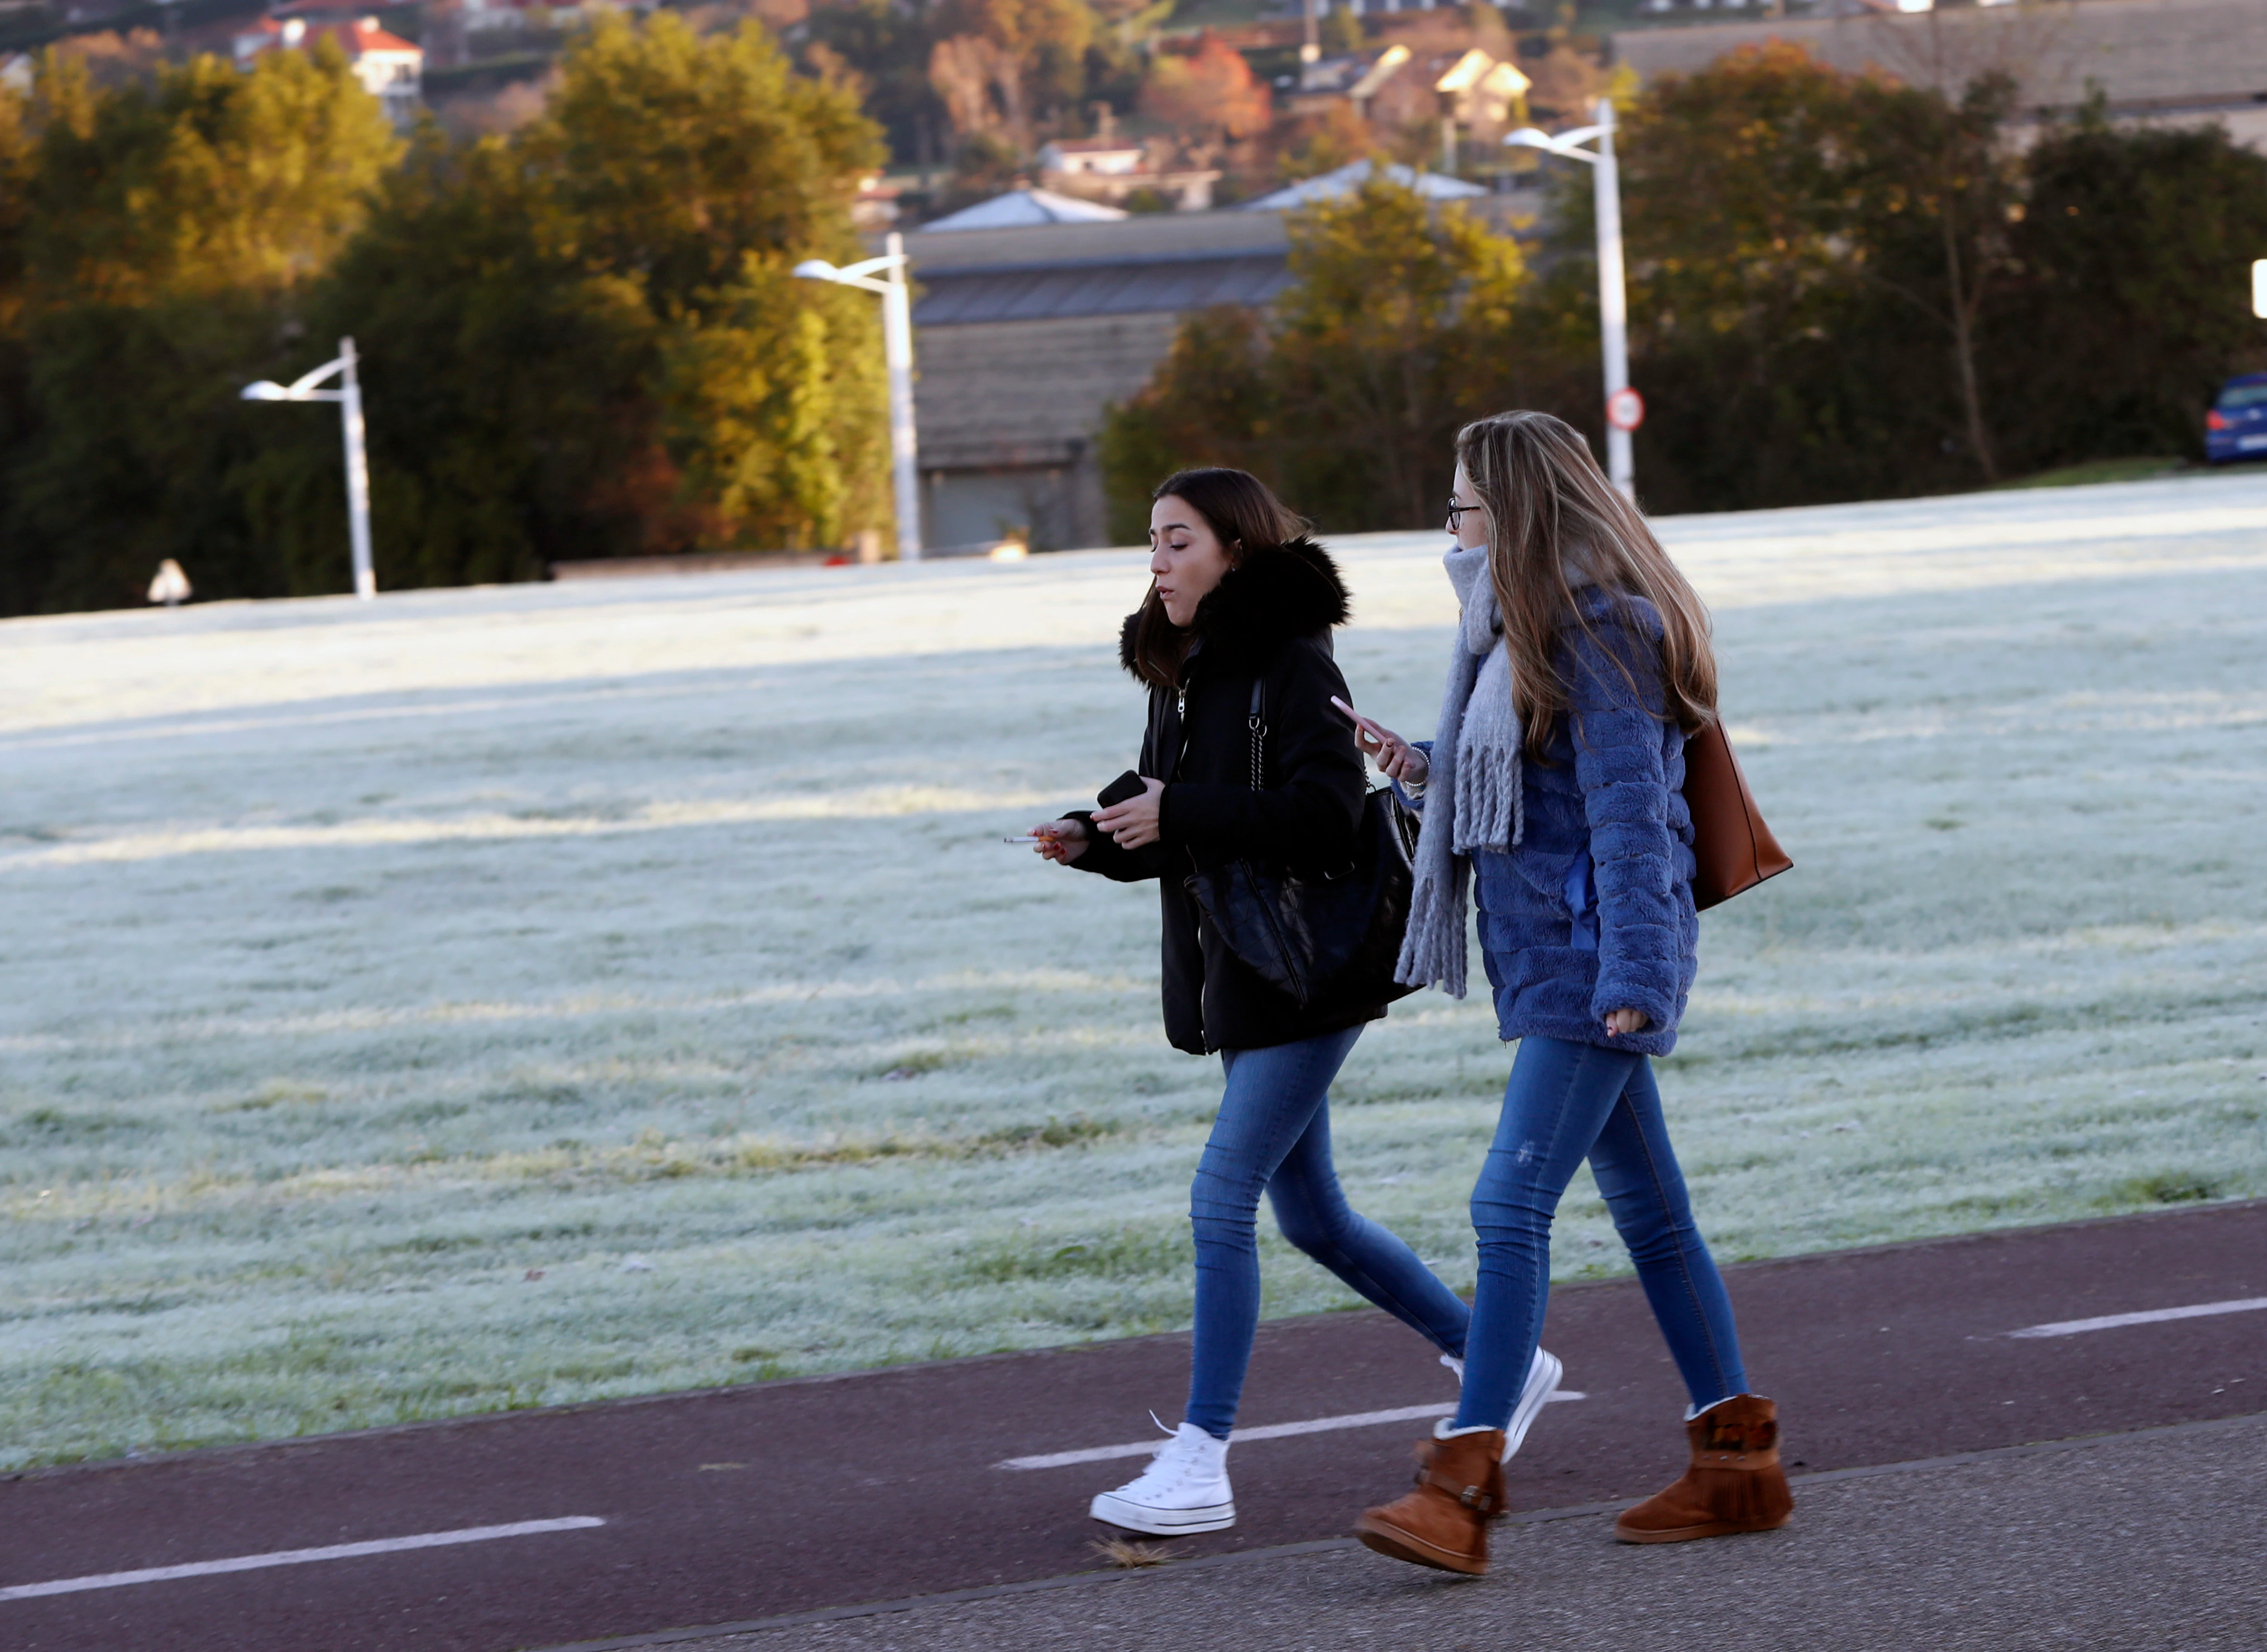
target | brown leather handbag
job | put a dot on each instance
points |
(1732, 846)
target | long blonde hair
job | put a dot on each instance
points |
(1548, 505)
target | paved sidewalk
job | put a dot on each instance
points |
(2155, 1540)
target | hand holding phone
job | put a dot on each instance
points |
(1395, 757)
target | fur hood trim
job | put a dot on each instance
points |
(1273, 595)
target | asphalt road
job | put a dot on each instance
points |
(2122, 1543)
(730, 1506)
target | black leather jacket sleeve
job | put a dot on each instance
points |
(1102, 855)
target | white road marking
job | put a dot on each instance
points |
(1270, 1431)
(300, 1557)
(2111, 1321)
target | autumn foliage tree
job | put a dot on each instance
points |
(160, 239)
(1841, 287)
(2126, 300)
(1002, 65)
(584, 340)
(1399, 325)
(1208, 93)
(1844, 286)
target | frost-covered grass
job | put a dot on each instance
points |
(507, 997)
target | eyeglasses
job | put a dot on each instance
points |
(1456, 510)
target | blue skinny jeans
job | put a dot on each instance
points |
(1273, 1134)
(1565, 1102)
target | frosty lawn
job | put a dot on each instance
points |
(513, 996)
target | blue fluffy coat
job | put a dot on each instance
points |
(1592, 910)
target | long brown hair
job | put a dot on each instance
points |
(1245, 515)
(1548, 505)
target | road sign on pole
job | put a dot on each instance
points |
(1624, 410)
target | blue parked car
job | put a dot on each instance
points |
(2236, 427)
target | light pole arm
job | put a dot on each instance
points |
(348, 396)
(299, 388)
(1613, 287)
(859, 276)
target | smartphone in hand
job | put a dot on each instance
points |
(1127, 786)
(1375, 730)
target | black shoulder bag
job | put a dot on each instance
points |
(1328, 943)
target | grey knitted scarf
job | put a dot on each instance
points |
(1473, 787)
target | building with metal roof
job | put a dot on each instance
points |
(1332, 185)
(1019, 209)
(1024, 335)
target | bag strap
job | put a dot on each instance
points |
(1256, 720)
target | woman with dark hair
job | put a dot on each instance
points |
(1554, 784)
(1240, 595)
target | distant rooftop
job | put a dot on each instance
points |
(1332, 185)
(1020, 207)
(1149, 263)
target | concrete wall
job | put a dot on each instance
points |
(1008, 412)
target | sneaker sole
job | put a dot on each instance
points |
(1542, 1377)
(1161, 1522)
(1396, 1545)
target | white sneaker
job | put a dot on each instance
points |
(1183, 1491)
(1543, 1374)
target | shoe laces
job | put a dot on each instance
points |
(1175, 1461)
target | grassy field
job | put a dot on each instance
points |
(504, 997)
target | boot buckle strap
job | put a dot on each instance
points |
(1766, 1458)
(1476, 1498)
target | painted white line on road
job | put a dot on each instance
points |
(2111, 1321)
(1270, 1431)
(300, 1557)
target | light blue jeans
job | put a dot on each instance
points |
(1565, 1102)
(1273, 1134)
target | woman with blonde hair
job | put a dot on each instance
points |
(1552, 789)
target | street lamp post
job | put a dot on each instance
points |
(897, 351)
(348, 396)
(1625, 409)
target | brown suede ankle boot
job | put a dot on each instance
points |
(1443, 1522)
(1734, 1484)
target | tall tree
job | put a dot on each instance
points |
(585, 340)
(1009, 65)
(2128, 301)
(1397, 327)
(1936, 187)
(167, 234)
(1208, 94)
(1792, 314)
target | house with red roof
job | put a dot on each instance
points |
(391, 69)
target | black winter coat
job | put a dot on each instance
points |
(1271, 616)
